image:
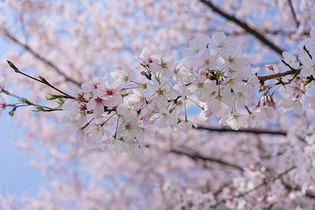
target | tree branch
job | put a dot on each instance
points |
(262, 79)
(243, 25)
(253, 131)
(294, 71)
(290, 188)
(39, 57)
(293, 13)
(41, 80)
(196, 156)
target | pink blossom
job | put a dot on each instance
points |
(2, 104)
(1, 84)
(90, 86)
(110, 94)
(145, 56)
(97, 105)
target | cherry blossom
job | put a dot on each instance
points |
(2, 104)
(163, 124)
(308, 67)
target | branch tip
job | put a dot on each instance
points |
(13, 66)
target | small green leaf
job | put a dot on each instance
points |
(53, 97)
(40, 108)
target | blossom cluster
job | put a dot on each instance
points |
(214, 75)
(301, 154)
(174, 194)
(116, 111)
(301, 90)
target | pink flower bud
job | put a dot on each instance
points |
(270, 67)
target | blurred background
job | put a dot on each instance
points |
(42, 165)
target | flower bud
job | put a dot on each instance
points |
(269, 67)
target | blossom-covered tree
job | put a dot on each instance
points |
(116, 85)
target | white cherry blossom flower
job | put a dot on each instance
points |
(197, 46)
(77, 113)
(160, 92)
(182, 90)
(206, 61)
(309, 43)
(91, 87)
(240, 99)
(291, 59)
(163, 63)
(205, 112)
(145, 56)
(165, 118)
(123, 75)
(248, 87)
(233, 83)
(201, 88)
(235, 121)
(97, 105)
(224, 46)
(185, 125)
(80, 135)
(96, 131)
(255, 117)
(266, 111)
(235, 62)
(185, 70)
(308, 65)
(130, 131)
(214, 103)
(288, 101)
(136, 99)
(110, 94)
(127, 111)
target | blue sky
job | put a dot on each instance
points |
(15, 176)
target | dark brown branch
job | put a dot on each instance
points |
(41, 80)
(285, 33)
(290, 188)
(262, 79)
(39, 57)
(196, 156)
(293, 14)
(244, 33)
(267, 31)
(308, 52)
(252, 131)
(244, 26)
(293, 71)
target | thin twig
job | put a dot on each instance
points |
(293, 13)
(244, 26)
(196, 156)
(253, 131)
(41, 80)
